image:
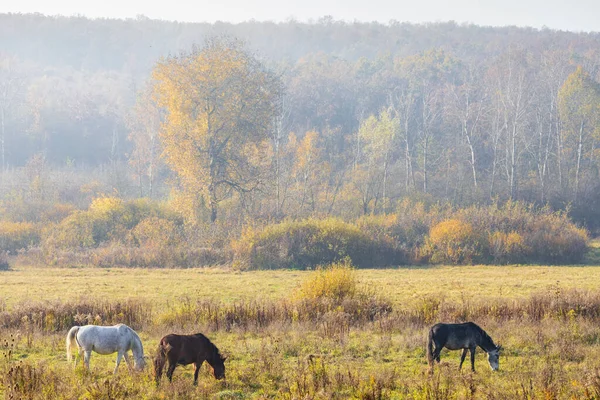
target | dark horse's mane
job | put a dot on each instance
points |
(210, 344)
(487, 343)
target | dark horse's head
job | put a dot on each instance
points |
(218, 364)
(494, 357)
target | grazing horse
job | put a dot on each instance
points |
(465, 336)
(187, 349)
(106, 340)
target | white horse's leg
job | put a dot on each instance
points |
(86, 358)
(78, 356)
(128, 361)
(119, 355)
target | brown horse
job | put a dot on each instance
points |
(187, 349)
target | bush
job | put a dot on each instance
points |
(156, 232)
(110, 219)
(453, 241)
(507, 247)
(401, 234)
(553, 238)
(15, 236)
(520, 233)
(311, 242)
(335, 282)
(334, 291)
(512, 233)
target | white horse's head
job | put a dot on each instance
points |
(139, 363)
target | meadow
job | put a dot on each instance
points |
(308, 335)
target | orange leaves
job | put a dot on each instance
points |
(453, 241)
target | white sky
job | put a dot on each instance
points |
(573, 15)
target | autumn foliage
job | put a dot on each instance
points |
(513, 233)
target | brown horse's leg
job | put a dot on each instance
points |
(462, 358)
(473, 349)
(159, 364)
(197, 364)
(170, 370)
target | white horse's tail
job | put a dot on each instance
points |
(72, 342)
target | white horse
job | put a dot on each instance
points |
(106, 340)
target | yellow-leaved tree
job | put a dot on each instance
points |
(220, 103)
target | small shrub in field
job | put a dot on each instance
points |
(334, 282)
(336, 288)
(18, 235)
(23, 380)
(453, 241)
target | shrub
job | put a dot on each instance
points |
(399, 236)
(507, 247)
(453, 241)
(308, 243)
(333, 292)
(156, 232)
(335, 282)
(553, 238)
(110, 219)
(515, 233)
(75, 231)
(18, 235)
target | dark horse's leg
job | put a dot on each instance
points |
(462, 358)
(472, 349)
(197, 364)
(437, 351)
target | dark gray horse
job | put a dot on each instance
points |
(465, 336)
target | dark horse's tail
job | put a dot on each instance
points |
(430, 357)
(160, 359)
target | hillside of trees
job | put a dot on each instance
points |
(363, 117)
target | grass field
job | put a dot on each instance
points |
(399, 285)
(552, 353)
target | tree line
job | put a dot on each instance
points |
(343, 126)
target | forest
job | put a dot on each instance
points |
(363, 124)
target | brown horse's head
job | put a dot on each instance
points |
(218, 365)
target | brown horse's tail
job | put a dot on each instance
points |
(430, 359)
(160, 359)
